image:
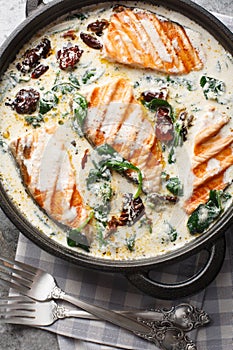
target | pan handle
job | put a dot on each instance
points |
(32, 5)
(192, 285)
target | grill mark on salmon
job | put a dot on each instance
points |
(141, 39)
(208, 132)
(49, 174)
(122, 123)
(103, 104)
(209, 145)
(201, 194)
(210, 150)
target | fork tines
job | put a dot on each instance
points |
(16, 309)
(15, 275)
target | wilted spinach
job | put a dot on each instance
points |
(155, 103)
(172, 233)
(177, 141)
(34, 120)
(113, 160)
(174, 185)
(75, 237)
(80, 106)
(47, 102)
(130, 242)
(99, 183)
(65, 87)
(88, 75)
(207, 213)
(103, 191)
(212, 88)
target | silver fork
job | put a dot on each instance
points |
(26, 311)
(40, 285)
(47, 312)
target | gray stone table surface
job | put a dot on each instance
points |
(12, 12)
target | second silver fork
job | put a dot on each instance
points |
(25, 311)
(182, 316)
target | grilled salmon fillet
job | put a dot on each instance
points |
(213, 155)
(116, 118)
(49, 174)
(142, 39)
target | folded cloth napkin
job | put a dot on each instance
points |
(114, 291)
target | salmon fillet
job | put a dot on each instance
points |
(116, 118)
(49, 174)
(142, 39)
(213, 155)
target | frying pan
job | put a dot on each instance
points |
(137, 271)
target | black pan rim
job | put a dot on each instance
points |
(42, 17)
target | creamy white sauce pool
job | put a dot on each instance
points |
(184, 92)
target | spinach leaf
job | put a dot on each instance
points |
(99, 183)
(66, 86)
(47, 102)
(145, 221)
(172, 233)
(174, 185)
(80, 106)
(74, 80)
(177, 141)
(207, 213)
(34, 120)
(130, 242)
(75, 243)
(155, 103)
(113, 160)
(171, 156)
(101, 212)
(91, 75)
(100, 234)
(212, 88)
(88, 75)
(95, 175)
(178, 81)
(75, 237)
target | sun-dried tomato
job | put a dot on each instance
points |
(164, 129)
(44, 47)
(133, 209)
(39, 70)
(26, 101)
(69, 34)
(91, 41)
(69, 56)
(32, 56)
(97, 27)
(150, 95)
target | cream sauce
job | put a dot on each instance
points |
(152, 233)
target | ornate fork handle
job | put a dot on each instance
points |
(183, 316)
(166, 337)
